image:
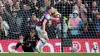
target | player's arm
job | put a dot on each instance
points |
(47, 17)
(21, 40)
(44, 24)
(17, 45)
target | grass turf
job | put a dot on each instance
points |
(49, 54)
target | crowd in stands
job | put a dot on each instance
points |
(81, 18)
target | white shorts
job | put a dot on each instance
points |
(40, 34)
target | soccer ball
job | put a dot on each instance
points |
(95, 46)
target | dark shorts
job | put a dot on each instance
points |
(28, 49)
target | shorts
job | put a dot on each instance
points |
(40, 34)
(28, 49)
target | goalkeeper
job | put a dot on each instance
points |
(28, 42)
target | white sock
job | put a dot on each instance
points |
(40, 44)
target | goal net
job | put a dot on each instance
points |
(77, 30)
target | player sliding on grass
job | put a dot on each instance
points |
(28, 42)
(41, 25)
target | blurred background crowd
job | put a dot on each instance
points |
(81, 18)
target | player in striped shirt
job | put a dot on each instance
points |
(41, 25)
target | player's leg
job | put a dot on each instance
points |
(39, 45)
(16, 47)
(25, 49)
(46, 36)
(43, 39)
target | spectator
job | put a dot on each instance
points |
(64, 7)
(34, 6)
(89, 8)
(80, 7)
(41, 12)
(75, 23)
(47, 2)
(5, 12)
(65, 28)
(10, 3)
(29, 8)
(82, 10)
(15, 24)
(94, 7)
(24, 13)
(4, 27)
(92, 19)
(17, 5)
(33, 20)
(51, 30)
(41, 3)
(97, 24)
(1, 8)
(98, 3)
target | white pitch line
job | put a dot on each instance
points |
(46, 52)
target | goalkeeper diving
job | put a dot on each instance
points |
(28, 42)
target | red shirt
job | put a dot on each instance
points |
(46, 16)
(56, 21)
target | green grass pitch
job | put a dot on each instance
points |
(49, 54)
